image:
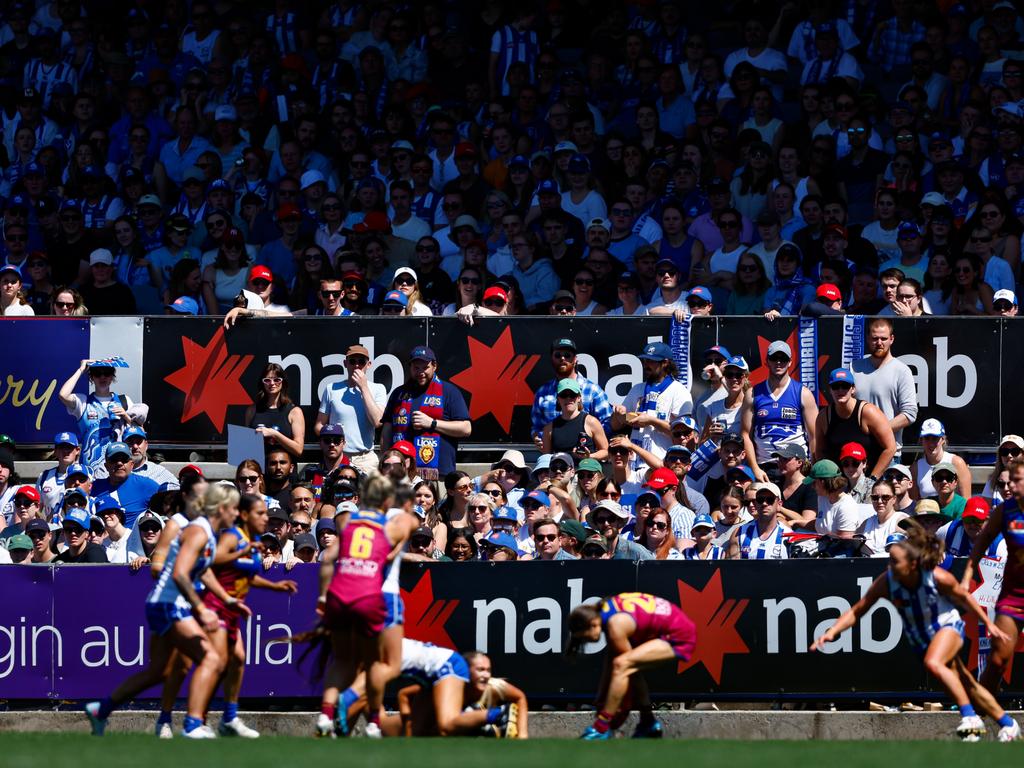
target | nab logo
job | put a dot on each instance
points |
(715, 620)
(210, 379)
(496, 379)
(425, 617)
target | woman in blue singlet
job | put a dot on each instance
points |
(930, 600)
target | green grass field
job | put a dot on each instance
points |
(39, 749)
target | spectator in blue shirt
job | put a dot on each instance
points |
(545, 400)
(132, 490)
(181, 152)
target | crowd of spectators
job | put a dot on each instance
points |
(658, 476)
(566, 157)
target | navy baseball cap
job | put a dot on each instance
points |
(657, 350)
(133, 432)
(326, 524)
(538, 496)
(80, 492)
(841, 376)
(116, 449)
(396, 297)
(547, 186)
(423, 353)
(718, 349)
(500, 540)
(107, 504)
(66, 438)
(335, 430)
(519, 161)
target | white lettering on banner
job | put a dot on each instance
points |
(19, 647)
(105, 645)
(944, 365)
(774, 610)
(304, 367)
(617, 387)
(258, 649)
(552, 622)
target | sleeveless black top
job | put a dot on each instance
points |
(840, 431)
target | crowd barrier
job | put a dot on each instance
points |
(198, 378)
(71, 632)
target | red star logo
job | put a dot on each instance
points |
(496, 379)
(425, 617)
(715, 619)
(210, 379)
(759, 374)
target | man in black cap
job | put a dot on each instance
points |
(545, 400)
(428, 412)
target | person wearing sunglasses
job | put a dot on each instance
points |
(934, 451)
(406, 282)
(763, 538)
(960, 535)
(850, 421)
(608, 518)
(273, 414)
(1010, 447)
(80, 549)
(225, 279)
(669, 296)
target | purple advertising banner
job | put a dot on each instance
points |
(73, 632)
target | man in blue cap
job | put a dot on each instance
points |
(545, 399)
(135, 438)
(76, 524)
(50, 482)
(428, 412)
(651, 406)
(133, 490)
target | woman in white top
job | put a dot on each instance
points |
(721, 265)
(581, 199)
(1010, 447)
(226, 277)
(583, 291)
(933, 445)
(881, 232)
(885, 522)
(407, 282)
(629, 297)
(12, 297)
(839, 515)
(468, 289)
(724, 413)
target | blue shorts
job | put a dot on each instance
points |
(395, 608)
(162, 616)
(456, 666)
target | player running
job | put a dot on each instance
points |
(929, 600)
(643, 632)
(351, 595)
(179, 620)
(1006, 519)
(236, 577)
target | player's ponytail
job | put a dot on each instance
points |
(924, 547)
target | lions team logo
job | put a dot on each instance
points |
(427, 453)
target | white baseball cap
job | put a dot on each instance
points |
(932, 428)
(1005, 294)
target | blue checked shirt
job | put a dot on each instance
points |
(545, 404)
(891, 48)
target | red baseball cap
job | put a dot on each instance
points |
(190, 469)
(260, 272)
(374, 221)
(465, 149)
(662, 478)
(496, 292)
(853, 451)
(976, 507)
(288, 211)
(828, 291)
(837, 229)
(353, 276)
(29, 491)
(405, 448)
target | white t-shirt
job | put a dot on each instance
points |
(17, 309)
(717, 411)
(673, 402)
(845, 515)
(411, 230)
(726, 261)
(876, 533)
(117, 551)
(590, 207)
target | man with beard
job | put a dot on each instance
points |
(651, 406)
(545, 401)
(883, 380)
(429, 413)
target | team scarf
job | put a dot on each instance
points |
(808, 345)
(853, 340)
(679, 340)
(793, 286)
(427, 444)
